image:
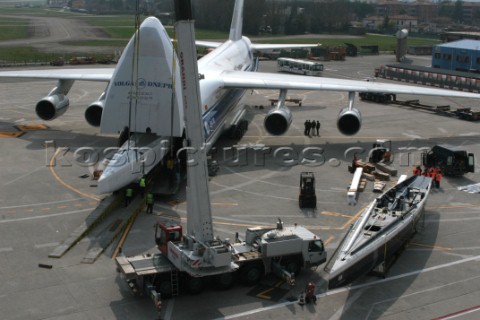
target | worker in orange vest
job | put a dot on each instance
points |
(310, 293)
(431, 172)
(438, 178)
(417, 171)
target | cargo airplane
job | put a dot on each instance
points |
(144, 95)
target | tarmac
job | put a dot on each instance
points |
(43, 201)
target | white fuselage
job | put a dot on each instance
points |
(220, 106)
(220, 109)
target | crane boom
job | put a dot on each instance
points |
(199, 223)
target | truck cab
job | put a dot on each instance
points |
(453, 160)
(316, 254)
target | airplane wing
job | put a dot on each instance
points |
(258, 46)
(260, 80)
(208, 44)
(269, 46)
(91, 74)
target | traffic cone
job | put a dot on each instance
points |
(301, 301)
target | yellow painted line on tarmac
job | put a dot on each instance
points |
(354, 217)
(335, 214)
(263, 293)
(45, 209)
(430, 246)
(329, 239)
(26, 127)
(10, 134)
(122, 239)
(55, 175)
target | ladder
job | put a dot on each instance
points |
(174, 281)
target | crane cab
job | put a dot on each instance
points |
(164, 233)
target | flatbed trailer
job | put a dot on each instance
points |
(465, 113)
(292, 100)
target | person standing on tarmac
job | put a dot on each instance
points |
(417, 171)
(318, 128)
(307, 127)
(142, 184)
(438, 178)
(128, 196)
(149, 202)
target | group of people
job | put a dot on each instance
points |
(142, 187)
(312, 127)
(433, 172)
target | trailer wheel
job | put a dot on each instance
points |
(225, 280)
(251, 274)
(195, 285)
(165, 289)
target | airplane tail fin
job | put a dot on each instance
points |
(237, 21)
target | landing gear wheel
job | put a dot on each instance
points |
(251, 274)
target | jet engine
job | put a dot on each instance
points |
(277, 121)
(52, 106)
(349, 119)
(56, 103)
(93, 114)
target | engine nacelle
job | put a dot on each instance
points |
(277, 121)
(51, 107)
(93, 114)
(349, 121)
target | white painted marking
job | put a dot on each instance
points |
(411, 135)
(8, 249)
(347, 289)
(169, 310)
(47, 245)
(24, 175)
(40, 204)
(20, 120)
(417, 292)
(46, 216)
(346, 306)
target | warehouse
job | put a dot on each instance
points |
(462, 55)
